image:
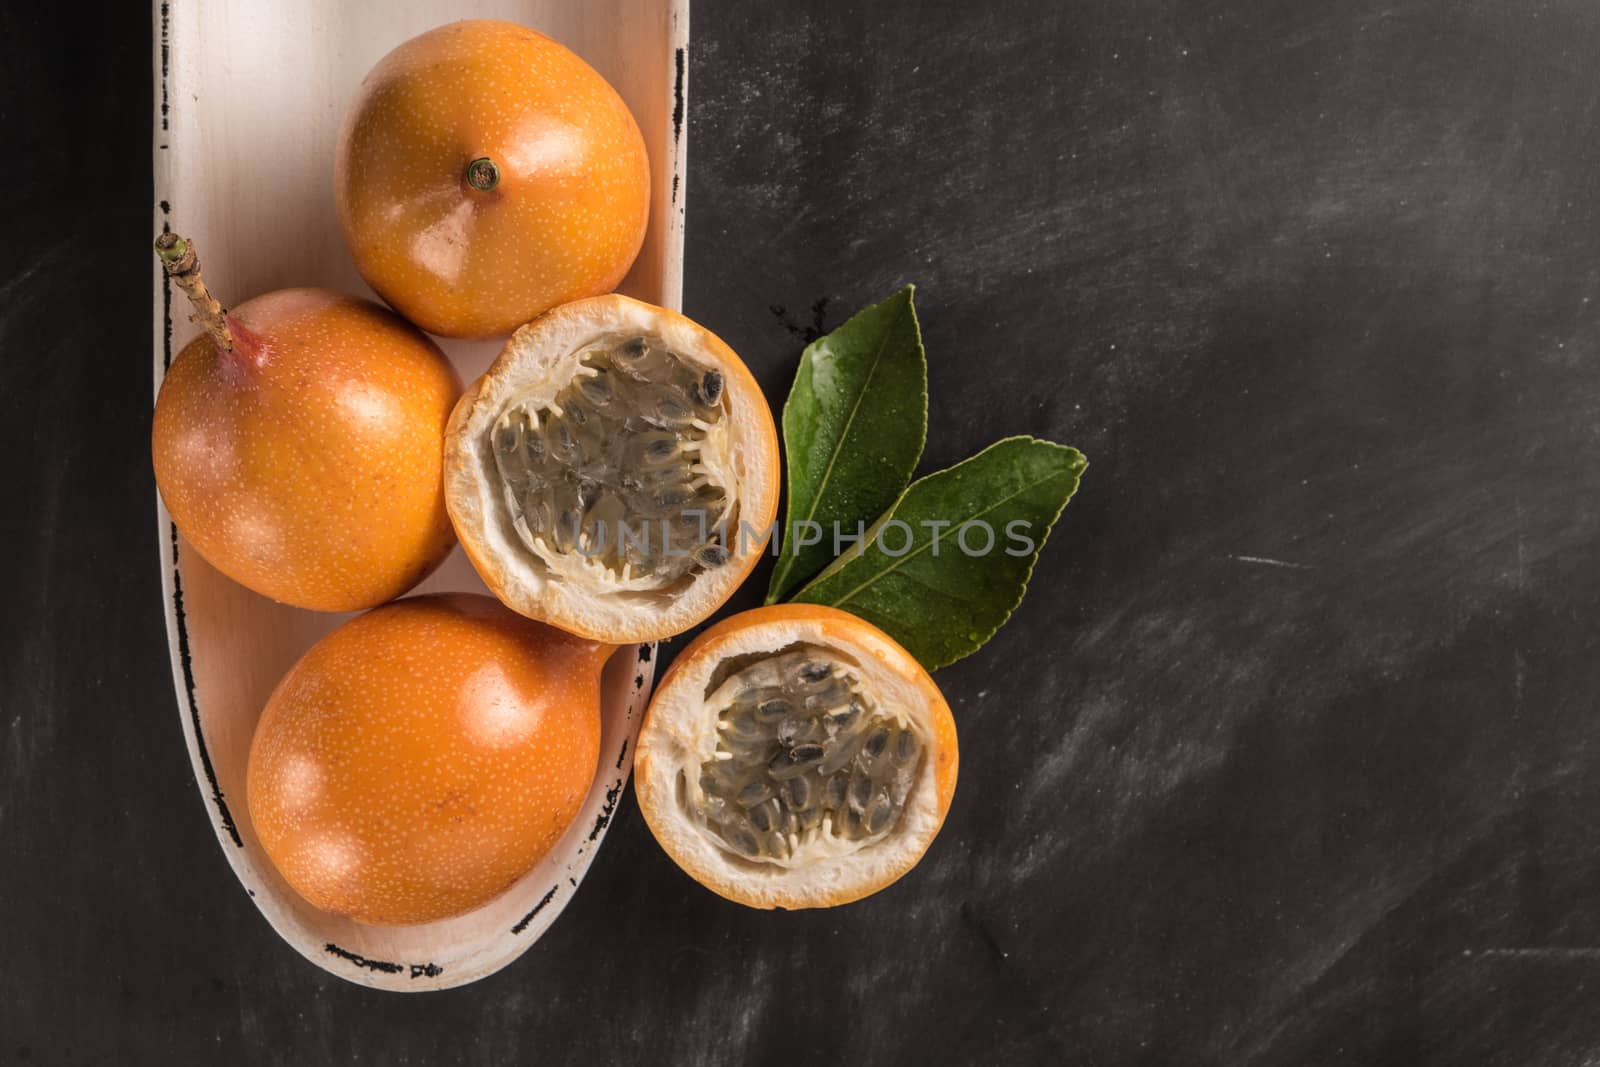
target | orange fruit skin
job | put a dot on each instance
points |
(421, 758)
(567, 217)
(306, 463)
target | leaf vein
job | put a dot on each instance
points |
(924, 547)
(844, 432)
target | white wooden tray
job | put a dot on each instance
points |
(249, 96)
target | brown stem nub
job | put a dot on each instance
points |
(483, 175)
(183, 267)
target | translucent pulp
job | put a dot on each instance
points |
(617, 469)
(806, 760)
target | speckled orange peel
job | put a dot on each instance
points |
(420, 759)
(615, 471)
(486, 173)
(795, 756)
(297, 443)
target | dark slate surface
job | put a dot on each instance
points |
(1290, 755)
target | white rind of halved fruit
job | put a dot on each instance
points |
(615, 472)
(795, 756)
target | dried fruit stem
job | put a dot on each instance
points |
(183, 267)
(483, 175)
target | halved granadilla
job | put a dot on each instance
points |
(795, 756)
(615, 472)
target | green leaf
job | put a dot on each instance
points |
(943, 603)
(853, 430)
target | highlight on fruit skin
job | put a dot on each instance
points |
(419, 760)
(485, 173)
(615, 472)
(795, 756)
(297, 443)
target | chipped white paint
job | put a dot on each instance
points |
(249, 98)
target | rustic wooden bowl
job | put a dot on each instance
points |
(249, 97)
